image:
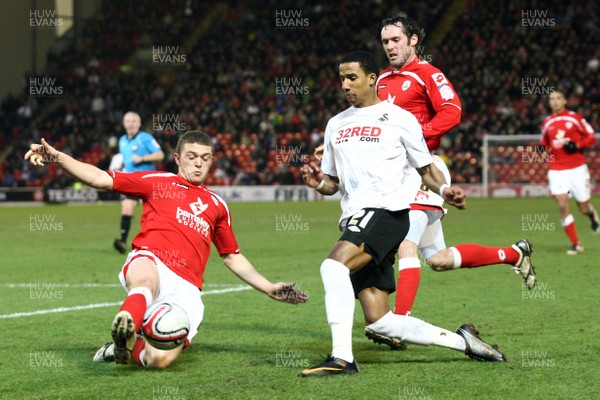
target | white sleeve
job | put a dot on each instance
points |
(417, 153)
(328, 162)
(116, 162)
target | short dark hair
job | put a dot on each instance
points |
(193, 137)
(365, 59)
(562, 90)
(409, 26)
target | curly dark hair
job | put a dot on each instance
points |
(409, 26)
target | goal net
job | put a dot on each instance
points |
(517, 165)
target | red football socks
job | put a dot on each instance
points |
(137, 353)
(476, 255)
(409, 277)
(135, 304)
(572, 233)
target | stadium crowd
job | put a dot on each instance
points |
(259, 79)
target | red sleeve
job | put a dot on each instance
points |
(224, 238)
(588, 137)
(544, 140)
(132, 183)
(446, 104)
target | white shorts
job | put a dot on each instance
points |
(575, 181)
(426, 231)
(172, 289)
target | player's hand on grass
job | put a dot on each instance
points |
(456, 197)
(312, 174)
(288, 293)
(39, 154)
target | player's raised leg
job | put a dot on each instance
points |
(470, 255)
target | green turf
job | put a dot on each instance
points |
(250, 347)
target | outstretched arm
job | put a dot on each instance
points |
(280, 291)
(39, 154)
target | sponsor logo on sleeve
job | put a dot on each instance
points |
(443, 86)
(439, 79)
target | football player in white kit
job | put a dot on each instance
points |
(367, 148)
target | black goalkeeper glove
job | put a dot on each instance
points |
(570, 147)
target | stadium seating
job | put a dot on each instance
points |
(239, 64)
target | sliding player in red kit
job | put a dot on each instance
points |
(565, 134)
(424, 90)
(180, 220)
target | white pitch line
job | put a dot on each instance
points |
(51, 285)
(101, 305)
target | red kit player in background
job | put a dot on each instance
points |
(419, 87)
(181, 218)
(565, 134)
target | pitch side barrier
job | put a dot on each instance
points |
(11, 196)
(228, 193)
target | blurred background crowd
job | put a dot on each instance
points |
(261, 78)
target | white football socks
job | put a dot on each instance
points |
(408, 263)
(339, 305)
(416, 331)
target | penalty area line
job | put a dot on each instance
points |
(112, 304)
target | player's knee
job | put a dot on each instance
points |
(143, 272)
(407, 249)
(563, 206)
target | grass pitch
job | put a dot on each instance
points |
(60, 258)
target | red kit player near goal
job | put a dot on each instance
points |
(565, 134)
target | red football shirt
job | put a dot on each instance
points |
(422, 89)
(179, 221)
(558, 129)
